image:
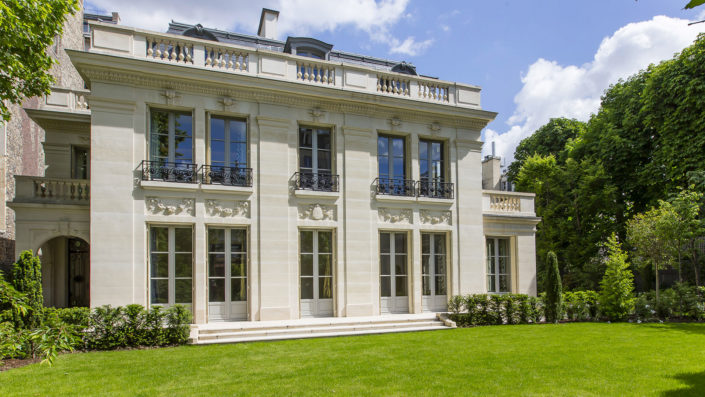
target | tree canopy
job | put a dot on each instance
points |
(27, 28)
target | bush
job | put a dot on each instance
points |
(483, 309)
(554, 290)
(26, 278)
(456, 304)
(13, 304)
(580, 305)
(76, 316)
(617, 285)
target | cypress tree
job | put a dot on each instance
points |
(554, 289)
(26, 278)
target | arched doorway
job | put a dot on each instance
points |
(65, 272)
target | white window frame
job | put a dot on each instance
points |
(171, 157)
(495, 255)
(171, 254)
(227, 162)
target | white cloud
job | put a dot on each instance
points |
(552, 90)
(297, 17)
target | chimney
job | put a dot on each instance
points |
(116, 18)
(268, 24)
(492, 171)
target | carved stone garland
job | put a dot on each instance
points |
(317, 212)
(169, 206)
(394, 215)
(227, 209)
(435, 217)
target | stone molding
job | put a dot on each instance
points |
(170, 206)
(228, 208)
(430, 217)
(317, 212)
(395, 215)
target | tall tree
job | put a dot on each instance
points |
(554, 290)
(27, 28)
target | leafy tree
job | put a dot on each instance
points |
(26, 278)
(694, 3)
(27, 28)
(653, 235)
(550, 139)
(554, 290)
(617, 286)
(687, 205)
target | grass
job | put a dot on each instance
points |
(585, 359)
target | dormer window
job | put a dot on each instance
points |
(307, 47)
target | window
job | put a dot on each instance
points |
(170, 264)
(432, 170)
(171, 137)
(227, 265)
(228, 153)
(316, 259)
(498, 265)
(315, 160)
(80, 163)
(433, 263)
(391, 162)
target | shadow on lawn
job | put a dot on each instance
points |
(694, 381)
(692, 328)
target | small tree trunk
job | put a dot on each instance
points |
(657, 284)
(680, 267)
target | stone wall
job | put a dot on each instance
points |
(21, 152)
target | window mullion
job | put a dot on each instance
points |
(228, 268)
(171, 260)
(314, 282)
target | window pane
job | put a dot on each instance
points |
(182, 291)
(503, 245)
(398, 146)
(238, 154)
(159, 122)
(423, 169)
(216, 290)
(440, 265)
(238, 289)
(238, 265)
(423, 150)
(503, 268)
(182, 125)
(323, 139)
(490, 265)
(325, 288)
(439, 243)
(216, 240)
(238, 240)
(382, 149)
(400, 264)
(182, 240)
(325, 267)
(440, 285)
(159, 239)
(216, 265)
(386, 286)
(324, 162)
(400, 243)
(305, 138)
(306, 241)
(490, 247)
(159, 265)
(183, 152)
(217, 151)
(400, 286)
(398, 171)
(306, 288)
(426, 285)
(383, 163)
(159, 292)
(324, 242)
(491, 283)
(437, 150)
(306, 264)
(425, 269)
(182, 265)
(425, 243)
(238, 131)
(384, 264)
(217, 128)
(504, 283)
(305, 158)
(160, 147)
(384, 242)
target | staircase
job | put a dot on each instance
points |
(251, 331)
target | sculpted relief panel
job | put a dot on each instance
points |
(228, 208)
(395, 215)
(435, 217)
(170, 206)
(317, 212)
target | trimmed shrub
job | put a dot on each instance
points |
(554, 290)
(456, 304)
(26, 278)
(580, 305)
(483, 309)
(76, 316)
(617, 285)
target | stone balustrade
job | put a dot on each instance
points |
(31, 189)
(192, 52)
(508, 203)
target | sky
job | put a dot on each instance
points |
(533, 59)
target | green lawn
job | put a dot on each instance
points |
(568, 359)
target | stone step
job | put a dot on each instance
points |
(298, 335)
(253, 326)
(352, 327)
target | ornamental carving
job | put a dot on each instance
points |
(435, 217)
(317, 212)
(168, 206)
(228, 209)
(394, 215)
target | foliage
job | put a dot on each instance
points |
(687, 204)
(27, 28)
(617, 286)
(13, 304)
(483, 309)
(77, 316)
(456, 304)
(26, 278)
(694, 3)
(682, 302)
(554, 290)
(580, 305)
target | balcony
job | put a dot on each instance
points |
(190, 52)
(515, 204)
(435, 189)
(31, 189)
(319, 182)
(168, 171)
(395, 187)
(227, 176)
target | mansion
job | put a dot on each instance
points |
(257, 179)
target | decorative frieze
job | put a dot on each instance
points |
(435, 217)
(228, 208)
(395, 215)
(170, 206)
(317, 212)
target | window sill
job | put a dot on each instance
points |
(161, 185)
(435, 201)
(316, 194)
(392, 198)
(245, 190)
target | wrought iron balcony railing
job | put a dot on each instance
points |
(322, 182)
(435, 189)
(168, 171)
(229, 176)
(395, 187)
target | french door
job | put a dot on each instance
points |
(434, 271)
(227, 274)
(316, 275)
(393, 272)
